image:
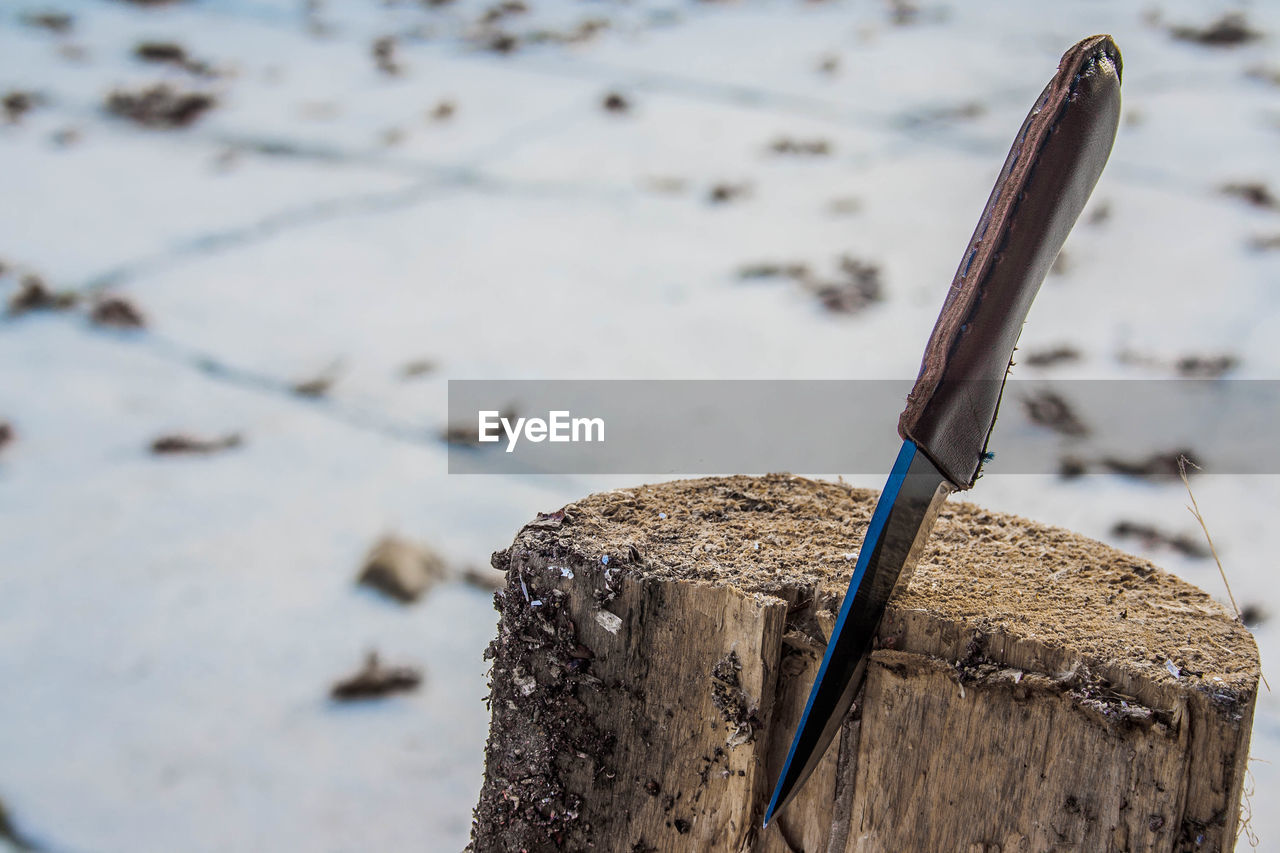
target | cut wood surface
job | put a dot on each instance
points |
(1031, 689)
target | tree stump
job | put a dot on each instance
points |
(1031, 689)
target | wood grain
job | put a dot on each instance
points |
(656, 646)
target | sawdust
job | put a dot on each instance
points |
(998, 573)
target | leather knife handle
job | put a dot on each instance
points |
(1051, 169)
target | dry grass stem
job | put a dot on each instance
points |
(1246, 808)
(1194, 509)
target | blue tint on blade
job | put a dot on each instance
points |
(879, 518)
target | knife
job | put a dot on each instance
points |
(1051, 169)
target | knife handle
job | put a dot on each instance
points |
(1051, 169)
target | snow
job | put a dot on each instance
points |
(169, 626)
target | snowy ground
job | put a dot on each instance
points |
(169, 627)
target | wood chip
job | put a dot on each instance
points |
(401, 569)
(181, 443)
(374, 681)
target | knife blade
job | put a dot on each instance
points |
(1052, 167)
